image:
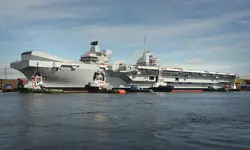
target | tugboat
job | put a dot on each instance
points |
(134, 89)
(160, 85)
(98, 85)
(37, 86)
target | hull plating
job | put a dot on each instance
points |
(64, 77)
(78, 78)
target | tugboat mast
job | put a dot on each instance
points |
(37, 67)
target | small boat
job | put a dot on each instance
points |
(37, 86)
(98, 85)
(245, 87)
(160, 85)
(221, 89)
(134, 89)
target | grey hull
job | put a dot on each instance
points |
(62, 78)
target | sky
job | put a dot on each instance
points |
(211, 35)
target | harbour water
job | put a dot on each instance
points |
(174, 121)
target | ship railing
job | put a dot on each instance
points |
(194, 80)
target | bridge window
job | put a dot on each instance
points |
(151, 78)
(26, 53)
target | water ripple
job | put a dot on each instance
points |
(176, 121)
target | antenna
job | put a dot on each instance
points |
(37, 63)
(37, 67)
(145, 43)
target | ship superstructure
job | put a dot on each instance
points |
(144, 73)
(96, 56)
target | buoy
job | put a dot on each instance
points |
(121, 92)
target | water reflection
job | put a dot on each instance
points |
(110, 121)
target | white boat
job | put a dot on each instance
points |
(98, 84)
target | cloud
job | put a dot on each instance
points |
(222, 37)
(94, 18)
(195, 61)
(178, 31)
(180, 27)
(245, 22)
(38, 12)
(219, 49)
(183, 28)
(199, 52)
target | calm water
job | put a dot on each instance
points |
(135, 121)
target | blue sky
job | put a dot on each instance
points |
(197, 34)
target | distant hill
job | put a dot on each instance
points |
(11, 74)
